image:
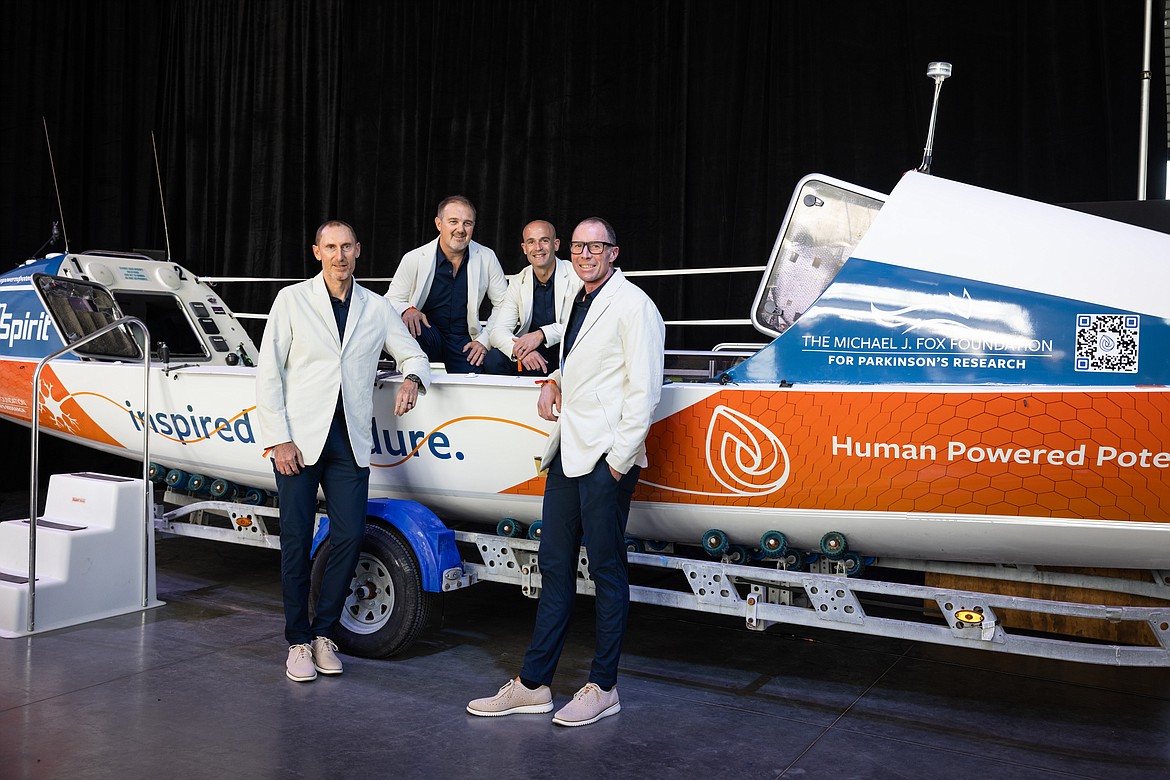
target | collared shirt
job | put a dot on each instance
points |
(341, 312)
(341, 316)
(446, 305)
(544, 310)
(577, 317)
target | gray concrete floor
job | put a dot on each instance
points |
(197, 689)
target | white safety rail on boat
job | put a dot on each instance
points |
(670, 272)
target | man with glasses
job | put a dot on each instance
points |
(602, 399)
(439, 287)
(526, 330)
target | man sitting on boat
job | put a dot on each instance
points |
(526, 330)
(439, 288)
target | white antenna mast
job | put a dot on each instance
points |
(939, 71)
(162, 198)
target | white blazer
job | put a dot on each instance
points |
(303, 365)
(416, 270)
(514, 316)
(610, 382)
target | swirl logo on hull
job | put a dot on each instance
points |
(742, 455)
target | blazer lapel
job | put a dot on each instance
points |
(599, 305)
(319, 297)
(527, 285)
(357, 300)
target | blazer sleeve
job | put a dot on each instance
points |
(271, 368)
(402, 285)
(497, 288)
(407, 354)
(643, 336)
(502, 324)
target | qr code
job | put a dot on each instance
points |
(1107, 342)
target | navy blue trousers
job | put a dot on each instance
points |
(346, 487)
(592, 508)
(447, 348)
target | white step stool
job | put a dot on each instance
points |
(90, 550)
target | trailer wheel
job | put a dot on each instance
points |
(222, 489)
(387, 606)
(773, 544)
(715, 542)
(795, 560)
(737, 553)
(854, 565)
(510, 528)
(834, 545)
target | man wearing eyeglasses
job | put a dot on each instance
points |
(439, 288)
(526, 330)
(602, 399)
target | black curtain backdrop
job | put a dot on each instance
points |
(686, 124)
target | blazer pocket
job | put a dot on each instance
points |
(606, 413)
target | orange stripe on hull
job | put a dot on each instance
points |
(59, 411)
(1069, 454)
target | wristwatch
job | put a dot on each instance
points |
(415, 379)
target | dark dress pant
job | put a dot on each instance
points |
(346, 488)
(592, 508)
(447, 348)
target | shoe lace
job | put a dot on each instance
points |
(302, 650)
(590, 689)
(328, 643)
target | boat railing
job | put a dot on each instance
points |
(34, 459)
(681, 365)
(670, 272)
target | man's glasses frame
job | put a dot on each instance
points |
(595, 247)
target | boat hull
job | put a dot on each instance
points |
(1019, 475)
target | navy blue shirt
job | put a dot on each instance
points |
(577, 317)
(446, 305)
(544, 310)
(341, 316)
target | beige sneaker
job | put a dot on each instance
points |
(513, 698)
(299, 666)
(325, 656)
(590, 705)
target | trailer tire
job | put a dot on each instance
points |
(386, 607)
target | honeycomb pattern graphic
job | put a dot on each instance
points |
(938, 480)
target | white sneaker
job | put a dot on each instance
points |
(299, 666)
(325, 656)
(512, 699)
(590, 705)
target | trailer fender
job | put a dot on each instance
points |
(432, 542)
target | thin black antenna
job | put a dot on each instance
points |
(162, 198)
(57, 189)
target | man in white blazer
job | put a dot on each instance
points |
(602, 399)
(526, 330)
(315, 401)
(439, 288)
